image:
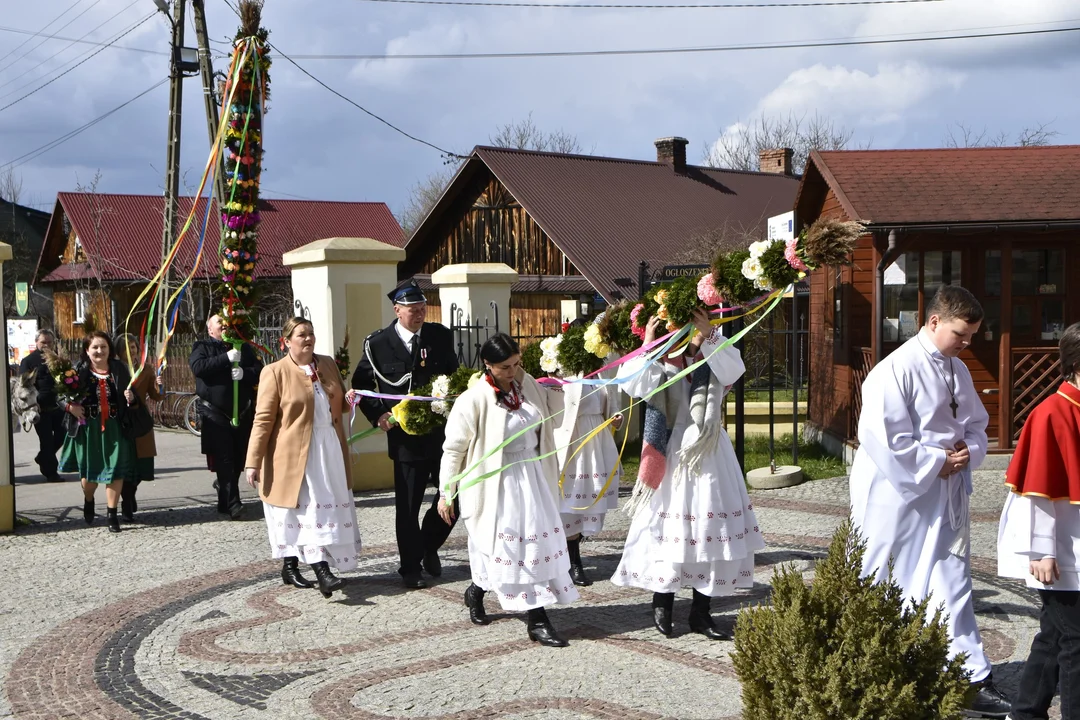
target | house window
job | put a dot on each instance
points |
(82, 305)
(1038, 295)
(910, 283)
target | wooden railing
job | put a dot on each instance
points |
(1036, 374)
(862, 360)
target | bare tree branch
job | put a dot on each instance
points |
(965, 136)
(739, 148)
(11, 185)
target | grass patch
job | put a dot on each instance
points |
(816, 464)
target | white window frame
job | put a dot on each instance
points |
(82, 305)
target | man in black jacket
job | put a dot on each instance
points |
(50, 425)
(405, 355)
(213, 363)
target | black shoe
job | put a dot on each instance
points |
(577, 574)
(662, 603)
(703, 624)
(53, 478)
(290, 574)
(88, 511)
(126, 511)
(474, 600)
(114, 522)
(413, 581)
(236, 512)
(432, 564)
(662, 620)
(328, 582)
(541, 631)
(989, 702)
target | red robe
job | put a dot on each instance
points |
(1046, 462)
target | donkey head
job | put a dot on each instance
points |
(24, 399)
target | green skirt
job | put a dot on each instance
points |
(99, 456)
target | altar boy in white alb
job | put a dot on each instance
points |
(921, 432)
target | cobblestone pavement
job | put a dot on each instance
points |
(183, 616)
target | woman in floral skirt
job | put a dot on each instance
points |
(96, 446)
(297, 457)
(517, 548)
(694, 525)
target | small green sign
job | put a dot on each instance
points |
(22, 298)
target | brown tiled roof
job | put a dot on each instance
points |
(121, 234)
(965, 185)
(609, 214)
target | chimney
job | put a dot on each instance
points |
(776, 160)
(672, 150)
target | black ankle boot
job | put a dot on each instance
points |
(290, 574)
(701, 620)
(577, 570)
(474, 600)
(662, 603)
(541, 631)
(128, 505)
(328, 582)
(114, 522)
(88, 511)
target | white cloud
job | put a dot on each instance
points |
(855, 95)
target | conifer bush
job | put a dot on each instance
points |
(844, 647)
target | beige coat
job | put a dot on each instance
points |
(284, 418)
(476, 426)
(145, 387)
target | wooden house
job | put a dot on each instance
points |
(1002, 222)
(101, 250)
(577, 227)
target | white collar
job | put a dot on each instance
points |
(928, 345)
(404, 333)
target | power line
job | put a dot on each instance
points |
(21, 31)
(717, 6)
(37, 152)
(13, 62)
(88, 57)
(387, 123)
(44, 27)
(59, 52)
(701, 49)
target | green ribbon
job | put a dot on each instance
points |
(677, 377)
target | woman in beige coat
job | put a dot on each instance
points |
(297, 458)
(517, 547)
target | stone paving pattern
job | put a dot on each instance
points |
(183, 616)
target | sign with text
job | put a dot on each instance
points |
(21, 339)
(670, 272)
(22, 298)
(782, 227)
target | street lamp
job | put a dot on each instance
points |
(185, 60)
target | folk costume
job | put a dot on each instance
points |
(298, 443)
(98, 448)
(694, 525)
(394, 362)
(145, 388)
(917, 404)
(224, 445)
(517, 547)
(1041, 519)
(586, 467)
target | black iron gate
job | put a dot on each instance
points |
(470, 334)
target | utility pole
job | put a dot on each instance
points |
(172, 161)
(206, 69)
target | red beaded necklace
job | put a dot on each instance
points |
(510, 400)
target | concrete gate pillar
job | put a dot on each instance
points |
(343, 282)
(473, 287)
(7, 487)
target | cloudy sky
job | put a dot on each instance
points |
(318, 146)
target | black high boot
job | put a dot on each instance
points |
(88, 511)
(114, 522)
(128, 505)
(290, 574)
(541, 631)
(662, 603)
(328, 582)
(577, 570)
(474, 600)
(701, 620)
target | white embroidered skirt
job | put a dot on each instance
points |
(529, 567)
(697, 531)
(584, 478)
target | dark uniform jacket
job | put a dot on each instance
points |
(213, 375)
(43, 381)
(385, 352)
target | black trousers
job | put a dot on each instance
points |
(50, 432)
(227, 445)
(411, 480)
(1054, 659)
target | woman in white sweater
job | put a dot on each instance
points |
(517, 547)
